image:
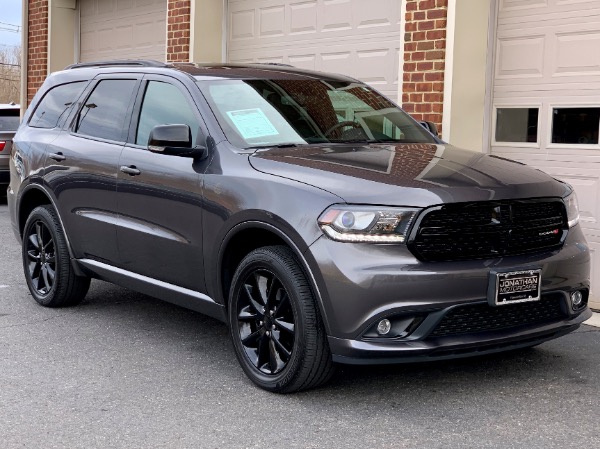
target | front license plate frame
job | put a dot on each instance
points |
(514, 287)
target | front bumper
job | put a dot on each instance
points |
(356, 352)
(362, 284)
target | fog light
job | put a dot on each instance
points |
(576, 299)
(384, 327)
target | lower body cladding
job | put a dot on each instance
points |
(382, 305)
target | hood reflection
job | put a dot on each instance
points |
(408, 165)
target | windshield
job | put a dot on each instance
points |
(256, 113)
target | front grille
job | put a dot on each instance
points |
(487, 230)
(470, 319)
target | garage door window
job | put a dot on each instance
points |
(517, 125)
(575, 125)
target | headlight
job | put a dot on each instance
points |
(367, 224)
(572, 209)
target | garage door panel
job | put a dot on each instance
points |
(547, 58)
(520, 57)
(587, 186)
(125, 29)
(303, 18)
(353, 37)
(521, 10)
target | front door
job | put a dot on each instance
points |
(160, 224)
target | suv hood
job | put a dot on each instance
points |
(418, 175)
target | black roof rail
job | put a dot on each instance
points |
(119, 63)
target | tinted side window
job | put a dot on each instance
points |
(103, 114)
(164, 104)
(55, 104)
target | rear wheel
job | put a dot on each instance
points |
(46, 261)
(275, 324)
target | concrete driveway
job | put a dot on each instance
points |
(125, 370)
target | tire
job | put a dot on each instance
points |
(47, 267)
(285, 351)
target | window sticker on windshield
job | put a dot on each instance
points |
(252, 123)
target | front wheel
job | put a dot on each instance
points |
(47, 263)
(277, 332)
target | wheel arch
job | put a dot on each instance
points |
(250, 235)
(35, 195)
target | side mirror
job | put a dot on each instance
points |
(431, 127)
(174, 140)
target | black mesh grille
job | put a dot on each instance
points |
(482, 317)
(488, 230)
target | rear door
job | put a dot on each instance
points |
(82, 166)
(160, 196)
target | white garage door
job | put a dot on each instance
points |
(547, 98)
(354, 37)
(123, 29)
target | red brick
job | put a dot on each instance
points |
(426, 4)
(425, 45)
(426, 25)
(419, 36)
(437, 14)
(436, 34)
(436, 54)
(417, 56)
(434, 76)
(424, 66)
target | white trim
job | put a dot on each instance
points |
(167, 31)
(401, 52)
(24, 54)
(77, 37)
(49, 40)
(224, 31)
(488, 110)
(449, 70)
(191, 56)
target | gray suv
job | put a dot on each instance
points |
(305, 210)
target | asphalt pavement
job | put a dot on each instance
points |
(123, 370)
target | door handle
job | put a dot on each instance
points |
(57, 156)
(130, 170)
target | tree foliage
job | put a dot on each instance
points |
(10, 74)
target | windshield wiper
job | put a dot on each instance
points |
(279, 145)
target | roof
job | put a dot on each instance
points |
(213, 70)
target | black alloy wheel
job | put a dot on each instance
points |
(276, 327)
(41, 257)
(50, 276)
(266, 321)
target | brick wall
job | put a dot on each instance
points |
(424, 59)
(178, 30)
(37, 51)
